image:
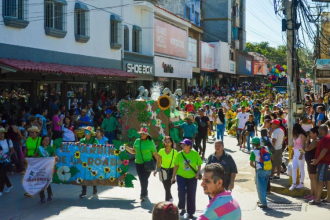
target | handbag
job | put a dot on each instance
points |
(164, 173)
(200, 175)
(148, 165)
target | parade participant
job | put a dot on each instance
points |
(144, 149)
(320, 119)
(322, 160)
(186, 172)
(189, 128)
(100, 136)
(167, 157)
(189, 107)
(165, 211)
(227, 162)
(6, 148)
(44, 113)
(203, 124)
(297, 155)
(33, 141)
(209, 114)
(262, 172)
(83, 120)
(221, 124)
(109, 125)
(309, 156)
(222, 205)
(197, 104)
(45, 150)
(277, 140)
(242, 118)
(251, 128)
(68, 130)
(14, 134)
(256, 112)
(57, 125)
(88, 139)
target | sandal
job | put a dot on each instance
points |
(325, 201)
(312, 202)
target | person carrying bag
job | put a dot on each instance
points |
(167, 156)
(144, 149)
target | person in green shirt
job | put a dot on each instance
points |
(109, 125)
(32, 142)
(144, 149)
(197, 104)
(207, 101)
(167, 156)
(45, 150)
(88, 139)
(186, 172)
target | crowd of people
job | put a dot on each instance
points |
(255, 114)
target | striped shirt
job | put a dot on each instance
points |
(222, 207)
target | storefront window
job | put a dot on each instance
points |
(78, 92)
(46, 92)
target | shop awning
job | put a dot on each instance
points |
(31, 66)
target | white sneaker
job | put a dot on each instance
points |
(1, 193)
(171, 200)
(8, 189)
(293, 187)
(301, 185)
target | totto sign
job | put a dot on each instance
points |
(168, 68)
(137, 68)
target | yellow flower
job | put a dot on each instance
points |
(121, 184)
(117, 152)
(107, 169)
(100, 177)
(79, 180)
(77, 155)
(164, 102)
(94, 173)
(119, 170)
(112, 179)
(84, 164)
(90, 168)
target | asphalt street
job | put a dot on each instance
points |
(123, 203)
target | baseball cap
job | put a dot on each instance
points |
(108, 111)
(201, 109)
(186, 141)
(255, 140)
(275, 121)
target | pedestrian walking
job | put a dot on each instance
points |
(221, 124)
(250, 127)
(203, 126)
(242, 118)
(6, 150)
(277, 140)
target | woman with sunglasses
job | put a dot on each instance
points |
(88, 139)
(167, 156)
(186, 171)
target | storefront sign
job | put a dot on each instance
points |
(138, 69)
(323, 64)
(192, 51)
(260, 68)
(170, 40)
(232, 67)
(207, 57)
(166, 67)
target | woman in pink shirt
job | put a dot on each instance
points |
(57, 124)
(298, 155)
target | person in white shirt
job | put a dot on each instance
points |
(277, 141)
(6, 150)
(242, 118)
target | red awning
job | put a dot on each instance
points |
(31, 66)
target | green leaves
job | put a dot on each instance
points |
(167, 112)
(74, 171)
(123, 156)
(158, 110)
(129, 180)
(132, 133)
(56, 179)
(124, 168)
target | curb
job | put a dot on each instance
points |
(293, 193)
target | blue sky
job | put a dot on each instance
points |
(263, 25)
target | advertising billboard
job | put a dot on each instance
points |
(260, 68)
(170, 40)
(192, 51)
(207, 57)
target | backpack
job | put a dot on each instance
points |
(265, 161)
(269, 144)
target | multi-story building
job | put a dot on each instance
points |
(75, 48)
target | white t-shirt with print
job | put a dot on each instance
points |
(242, 119)
(278, 134)
(5, 147)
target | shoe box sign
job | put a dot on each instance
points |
(138, 68)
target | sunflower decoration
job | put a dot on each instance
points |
(84, 164)
(89, 168)
(79, 180)
(121, 183)
(119, 170)
(164, 102)
(94, 172)
(116, 152)
(107, 170)
(77, 155)
(112, 179)
(101, 177)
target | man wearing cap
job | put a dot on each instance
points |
(277, 141)
(109, 125)
(203, 124)
(189, 128)
(83, 119)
